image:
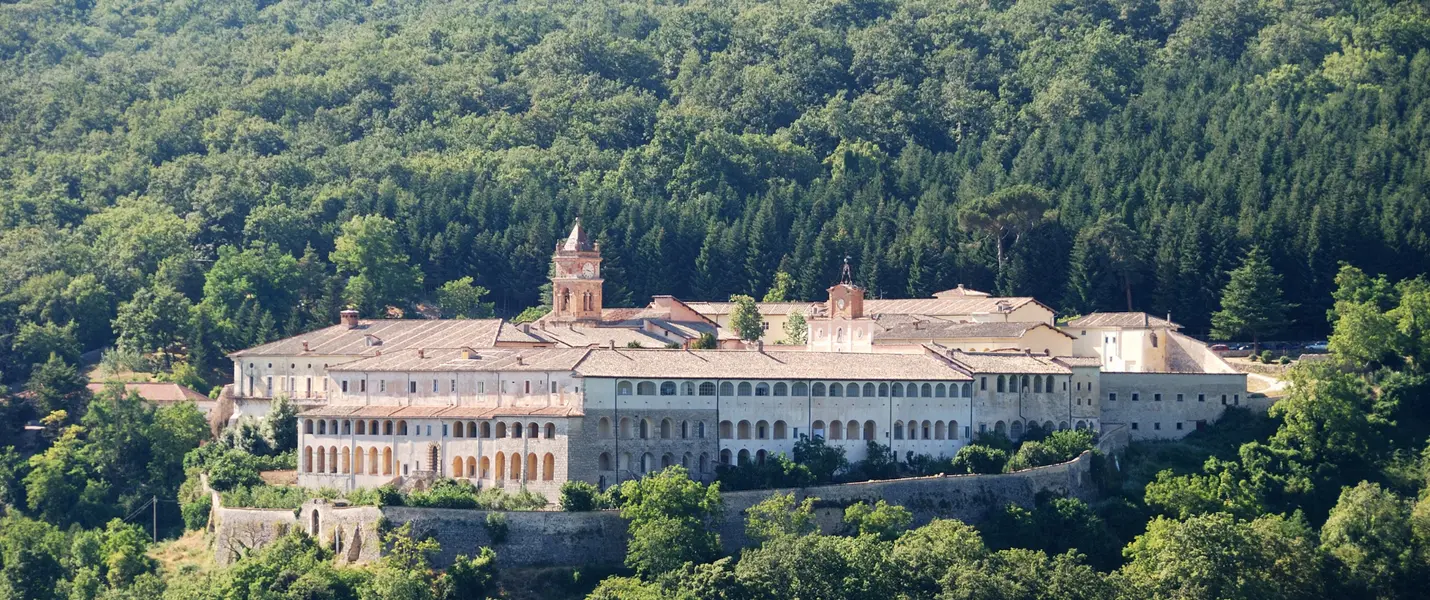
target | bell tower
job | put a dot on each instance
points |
(846, 300)
(576, 280)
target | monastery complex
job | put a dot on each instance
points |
(607, 394)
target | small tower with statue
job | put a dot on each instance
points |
(576, 281)
(842, 326)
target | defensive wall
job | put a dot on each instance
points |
(555, 538)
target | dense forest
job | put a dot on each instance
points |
(184, 174)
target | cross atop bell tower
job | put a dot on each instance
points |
(576, 278)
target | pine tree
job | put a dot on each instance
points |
(1251, 304)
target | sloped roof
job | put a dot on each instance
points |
(156, 392)
(766, 308)
(942, 329)
(384, 334)
(1006, 362)
(451, 360)
(438, 412)
(749, 364)
(1126, 320)
(948, 306)
(582, 336)
(577, 241)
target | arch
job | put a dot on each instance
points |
(471, 429)
(898, 430)
(953, 431)
(308, 426)
(624, 462)
(817, 389)
(743, 430)
(665, 428)
(548, 467)
(967, 390)
(744, 389)
(926, 390)
(647, 463)
(725, 456)
(625, 432)
(684, 430)
(667, 388)
(700, 429)
(456, 466)
(1047, 426)
(603, 427)
(1062, 425)
(515, 461)
(307, 459)
(817, 430)
(836, 430)
(486, 468)
(913, 430)
(604, 461)
(912, 390)
(387, 461)
(705, 462)
(531, 461)
(884, 390)
(357, 460)
(471, 467)
(1024, 386)
(645, 428)
(781, 389)
(533, 430)
(762, 389)
(1002, 383)
(685, 461)
(322, 427)
(851, 390)
(1081, 425)
(347, 427)
(781, 430)
(870, 431)
(870, 390)
(1048, 387)
(1015, 430)
(727, 389)
(500, 467)
(799, 388)
(727, 430)
(372, 461)
(623, 388)
(387, 427)
(836, 390)
(362, 427)
(332, 459)
(486, 429)
(1000, 428)
(666, 460)
(939, 391)
(851, 430)
(1037, 385)
(402, 427)
(897, 391)
(762, 430)
(516, 430)
(744, 457)
(687, 389)
(760, 457)
(645, 388)
(938, 430)
(550, 432)
(458, 431)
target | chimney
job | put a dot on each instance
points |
(520, 361)
(468, 353)
(759, 345)
(421, 353)
(1146, 320)
(526, 327)
(348, 318)
(613, 344)
(305, 345)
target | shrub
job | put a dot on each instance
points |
(196, 513)
(1070, 443)
(265, 496)
(496, 527)
(977, 458)
(885, 520)
(1033, 454)
(233, 469)
(445, 493)
(1266, 356)
(580, 496)
(472, 577)
(1284, 360)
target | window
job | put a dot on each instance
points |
(762, 389)
(707, 388)
(412, 387)
(362, 385)
(1179, 425)
(1156, 397)
(526, 388)
(454, 385)
(1134, 426)
(745, 388)
(382, 385)
(667, 388)
(727, 389)
(623, 388)
(781, 389)
(345, 386)
(983, 383)
(799, 388)
(645, 388)
(1236, 399)
(1179, 397)
(434, 386)
(1111, 397)
(687, 389)
(1157, 426)
(1201, 397)
(818, 389)
(1136, 397)
(481, 387)
(1002, 383)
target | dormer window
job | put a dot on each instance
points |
(372, 340)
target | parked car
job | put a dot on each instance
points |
(1319, 346)
(1219, 348)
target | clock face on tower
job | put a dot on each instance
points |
(588, 269)
(839, 303)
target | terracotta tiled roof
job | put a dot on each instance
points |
(1128, 320)
(949, 306)
(1006, 362)
(749, 364)
(513, 333)
(478, 359)
(942, 329)
(1078, 361)
(436, 412)
(766, 308)
(584, 336)
(387, 335)
(158, 393)
(577, 240)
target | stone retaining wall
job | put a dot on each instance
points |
(551, 538)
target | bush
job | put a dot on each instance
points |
(580, 496)
(265, 496)
(196, 513)
(472, 577)
(887, 521)
(1266, 356)
(233, 469)
(445, 493)
(977, 458)
(1033, 454)
(1284, 360)
(1070, 443)
(496, 527)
